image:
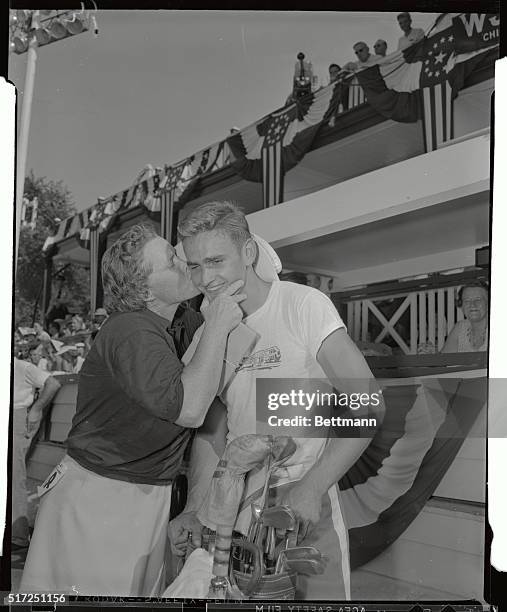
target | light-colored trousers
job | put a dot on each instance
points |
(20, 446)
(98, 536)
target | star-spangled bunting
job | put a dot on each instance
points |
(422, 81)
(418, 83)
(267, 150)
(272, 168)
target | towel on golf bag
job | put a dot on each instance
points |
(194, 579)
(222, 500)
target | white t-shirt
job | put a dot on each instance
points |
(292, 324)
(27, 378)
(415, 35)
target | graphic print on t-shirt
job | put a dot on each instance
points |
(261, 360)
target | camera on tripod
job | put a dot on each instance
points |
(303, 77)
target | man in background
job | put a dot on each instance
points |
(364, 58)
(26, 416)
(380, 47)
(334, 72)
(410, 35)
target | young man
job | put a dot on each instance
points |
(102, 522)
(301, 336)
(410, 35)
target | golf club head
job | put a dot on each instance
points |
(279, 517)
(307, 567)
(303, 552)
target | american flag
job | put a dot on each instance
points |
(272, 163)
(266, 150)
(422, 81)
(173, 176)
(437, 93)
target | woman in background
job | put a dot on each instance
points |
(470, 334)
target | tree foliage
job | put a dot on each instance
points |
(55, 203)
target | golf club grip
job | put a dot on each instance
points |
(257, 564)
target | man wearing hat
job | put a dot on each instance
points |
(300, 335)
(27, 415)
(100, 316)
(102, 523)
(68, 354)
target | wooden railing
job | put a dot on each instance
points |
(432, 314)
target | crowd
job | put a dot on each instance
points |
(59, 347)
(362, 51)
(364, 59)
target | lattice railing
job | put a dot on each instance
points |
(431, 313)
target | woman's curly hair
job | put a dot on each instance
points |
(124, 272)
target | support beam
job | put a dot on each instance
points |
(46, 288)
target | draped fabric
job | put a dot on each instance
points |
(424, 427)
(418, 83)
(268, 149)
(157, 190)
(422, 81)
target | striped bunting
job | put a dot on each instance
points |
(422, 81)
(423, 429)
(266, 150)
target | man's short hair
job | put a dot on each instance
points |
(334, 66)
(407, 15)
(124, 271)
(360, 42)
(223, 217)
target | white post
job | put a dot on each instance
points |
(26, 111)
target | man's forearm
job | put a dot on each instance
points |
(201, 377)
(47, 393)
(203, 462)
(208, 446)
(337, 458)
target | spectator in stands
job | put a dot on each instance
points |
(80, 349)
(364, 58)
(57, 311)
(470, 334)
(34, 355)
(410, 35)
(337, 74)
(77, 324)
(68, 355)
(334, 72)
(380, 47)
(99, 319)
(65, 325)
(27, 416)
(100, 316)
(54, 329)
